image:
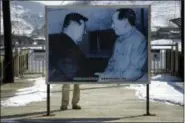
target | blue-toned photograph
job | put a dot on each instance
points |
(97, 44)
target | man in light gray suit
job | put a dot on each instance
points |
(129, 58)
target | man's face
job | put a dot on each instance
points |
(119, 26)
(79, 30)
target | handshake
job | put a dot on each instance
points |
(98, 74)
(103, 77)
(108, 77)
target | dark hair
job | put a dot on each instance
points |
(74, 17)
(127, 13)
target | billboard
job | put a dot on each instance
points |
(97, 44)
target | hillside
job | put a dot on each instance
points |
(26, 16)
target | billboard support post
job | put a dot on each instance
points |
(48, 102)
(148, 102)
(48, 99)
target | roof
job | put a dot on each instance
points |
(176, 21)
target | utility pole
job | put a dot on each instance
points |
(8, 59)
(182, 34)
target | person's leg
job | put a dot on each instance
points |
(76, 97)
(65, 96)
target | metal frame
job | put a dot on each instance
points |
(110, 6)
(149, 58)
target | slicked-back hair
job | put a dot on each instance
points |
(73, 17)
(127, 13)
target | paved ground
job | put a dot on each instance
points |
(100, 103)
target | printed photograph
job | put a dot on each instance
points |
(98, 44)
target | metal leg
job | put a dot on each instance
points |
(48, 99)
(148, 102)
(48, 102)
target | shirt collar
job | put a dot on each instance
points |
(122, 37)
(70, 38)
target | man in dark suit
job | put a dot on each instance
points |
(66, 60)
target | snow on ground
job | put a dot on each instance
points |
(25, 96)
(166, 78)
(161, 90)
(162, 41)
(40, 38)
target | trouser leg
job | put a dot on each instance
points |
(65, 94)
(76, 94)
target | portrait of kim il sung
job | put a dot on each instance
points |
(98, 44)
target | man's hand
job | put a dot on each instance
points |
(98, 74)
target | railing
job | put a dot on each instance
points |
(165, 59)
(19, 63)
(36, 60)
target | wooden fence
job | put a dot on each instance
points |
(169, 59)
(20, 63)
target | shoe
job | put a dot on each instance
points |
(76, 107)
(63, 107)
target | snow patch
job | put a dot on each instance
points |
(162, 41)
(27, 95)
(166, 78)
(161, 90)
(165, 42)
(39, 38)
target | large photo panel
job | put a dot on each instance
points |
(98, 44)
